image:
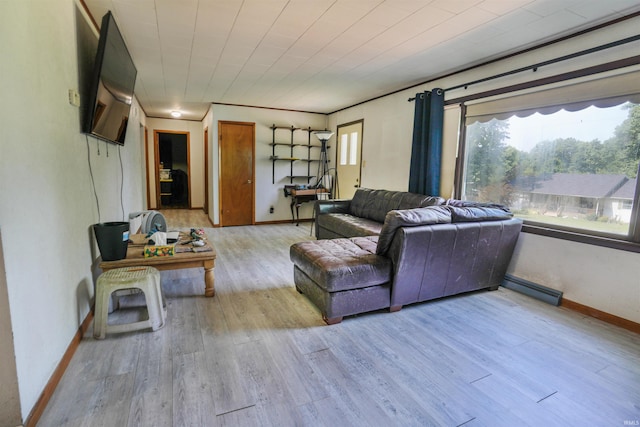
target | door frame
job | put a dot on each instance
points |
(156, 149)
(361, 121)
(146, 162)
(253, 169)
(206, 170)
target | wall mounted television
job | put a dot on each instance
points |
(112, 84)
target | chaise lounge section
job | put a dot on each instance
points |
(420, 254)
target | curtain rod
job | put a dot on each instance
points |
(535, 67)
(439, 92)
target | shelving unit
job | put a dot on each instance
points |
(166, 190)
(291, 157)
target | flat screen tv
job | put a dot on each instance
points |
(111, 90)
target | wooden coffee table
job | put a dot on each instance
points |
(206, 260)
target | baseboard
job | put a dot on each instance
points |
(45, 396)
(555, 297)
(534, 290)
(601, 315)
(284, 221)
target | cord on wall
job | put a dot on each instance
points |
(121, 182)
(91, 173)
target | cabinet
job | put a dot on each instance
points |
(299, 153)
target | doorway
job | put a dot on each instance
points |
(349, 158)
(237, 168)
(172, 169)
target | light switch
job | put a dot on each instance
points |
(74, 97)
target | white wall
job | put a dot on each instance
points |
(598, 277)
(47, 202)
(196, 156)
(605, 279)
(266, 193)
(386, 140)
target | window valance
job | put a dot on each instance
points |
(600, 92)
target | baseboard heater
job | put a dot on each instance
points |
(534, 290)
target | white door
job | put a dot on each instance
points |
(349, 157)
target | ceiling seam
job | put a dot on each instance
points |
(226, 42)
(255, 48)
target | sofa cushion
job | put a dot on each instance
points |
(473, 204)
(382, 201)
(342, 264)
(374, 204)
(359, 202)
(347, 225)
(412, 200)
(409, 218)
(479, 213)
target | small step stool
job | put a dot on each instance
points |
(145, 279)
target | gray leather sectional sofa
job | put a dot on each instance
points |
(434, 249)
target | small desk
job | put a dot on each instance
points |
(299, 197)
(206, 260)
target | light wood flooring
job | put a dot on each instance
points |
(258, 354)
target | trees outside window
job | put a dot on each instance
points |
(568, 169)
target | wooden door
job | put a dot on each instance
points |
(237, 166)
(348, 158)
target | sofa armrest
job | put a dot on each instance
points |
(331, 206)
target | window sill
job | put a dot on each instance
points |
(576, 236)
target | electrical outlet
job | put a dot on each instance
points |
(271, 210)
(74, 97)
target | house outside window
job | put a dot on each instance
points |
(573, 170)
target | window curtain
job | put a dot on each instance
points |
(426, 150)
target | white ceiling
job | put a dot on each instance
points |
(323, 55)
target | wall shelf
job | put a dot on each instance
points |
(297, 152)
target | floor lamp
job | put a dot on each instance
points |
(323, 166)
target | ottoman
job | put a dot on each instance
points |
(342, 277)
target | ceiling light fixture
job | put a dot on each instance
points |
(176, 114)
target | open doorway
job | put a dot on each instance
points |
(172, 169)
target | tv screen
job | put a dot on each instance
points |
(112, 87)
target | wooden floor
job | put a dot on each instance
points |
(185, 218)
(258, 354)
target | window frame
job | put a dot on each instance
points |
(630, 242)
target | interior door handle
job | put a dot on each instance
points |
(248, 181)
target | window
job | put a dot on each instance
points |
(353, 149)
(343, 149)
(564, 169)
(349, 142)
